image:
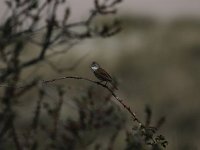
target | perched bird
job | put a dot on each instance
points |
(101, 74)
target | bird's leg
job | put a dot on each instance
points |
(101, 81)
(106, 83)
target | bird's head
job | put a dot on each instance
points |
(95, 66)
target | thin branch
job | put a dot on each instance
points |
(134, 117)
(15, 137)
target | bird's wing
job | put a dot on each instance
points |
(104, 74)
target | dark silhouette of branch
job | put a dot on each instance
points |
(15, 137)
(55, 31)
(134, 117)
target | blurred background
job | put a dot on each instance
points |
(155, 59)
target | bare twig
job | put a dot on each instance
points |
(134, 117)
(15, 137)
(57, 113)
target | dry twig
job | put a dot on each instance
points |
(134, 117)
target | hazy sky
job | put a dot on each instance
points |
(157, 8)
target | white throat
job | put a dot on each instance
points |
(94, 68)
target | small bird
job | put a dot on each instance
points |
(101, 74)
